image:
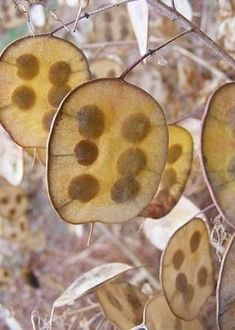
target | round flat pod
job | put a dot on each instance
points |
(123, 304)
(36, 73)
(187, 272)
(106, 152)
(217, 149)
(13, 201)
(158, 316)
(226, 290)
(175, 175)
(17, 231)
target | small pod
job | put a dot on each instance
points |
(106, 152)
(123, 304)
(217, 149)
(36, 73)
(158, 316)
(175, 175)
(13, 201)
(187, 272)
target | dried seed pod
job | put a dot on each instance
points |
(112, 25)
(106, 153)
(16, 231)
(123, 304)
(36, 73)
(158, 316)
(187, 273)
(217, 148)
(225, 289)
(13, 201)
(175, 175)
(6, 276)
(105, 68)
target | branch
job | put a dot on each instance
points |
(151, 52)
(174, 15)
(92, 13)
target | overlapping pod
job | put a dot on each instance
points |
(218, 151)
(106, 153)
(123, 304)
(226, 290)
(187, 273)
(158, 316)
(36, 73)
(175, 175)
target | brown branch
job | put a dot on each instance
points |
(151, 52)
(174, 15)
(91, 13)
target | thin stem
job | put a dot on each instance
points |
(91, 13)
(77, 17)
(174, 15)
(207, 208)
(90, 234)
(151, 52)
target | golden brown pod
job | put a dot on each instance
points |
(123, 304)
(13, 201)
(106, 153)
(158, 316)
(217, 148)
(187, 272)
(175, 175)
(36, 73)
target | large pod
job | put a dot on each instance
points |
(226, 289)
(106, 153)
(187, 272)
(36, 73)
(175, 175)
(218, 149)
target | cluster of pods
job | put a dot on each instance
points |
(110, 156)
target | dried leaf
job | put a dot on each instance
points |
(89, 281)
(182, 6)
(139, 16)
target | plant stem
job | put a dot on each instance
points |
(174, 15)
(92, 13)
(151, 52)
